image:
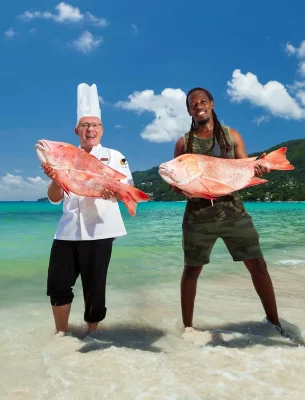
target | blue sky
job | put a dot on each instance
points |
(144, 56)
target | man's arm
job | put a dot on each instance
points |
(240, 152)
(179, 148)
(55, 191)
(239, 145)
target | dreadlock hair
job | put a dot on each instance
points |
(219, 133)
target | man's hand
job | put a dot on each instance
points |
(50, 173)
(108, 194)
(260, 170)
(55, 191)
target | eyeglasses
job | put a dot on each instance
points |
(87, 125)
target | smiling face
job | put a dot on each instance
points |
(200, 107)
(90, 130)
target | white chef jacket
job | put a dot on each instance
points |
(91, 218)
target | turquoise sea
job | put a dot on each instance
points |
(151, 252)
(143, 325)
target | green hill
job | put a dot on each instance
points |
(282, 185)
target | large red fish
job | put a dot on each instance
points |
(209, 177)
(83, 174)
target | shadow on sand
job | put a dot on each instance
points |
(129, 336)
(232, 335)
(249, 333)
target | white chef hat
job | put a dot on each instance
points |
(87, 101)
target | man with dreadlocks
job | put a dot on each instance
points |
(204, 221)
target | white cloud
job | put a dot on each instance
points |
(135, 29)
(261, 119)
(298, 51)
(272, 96)
(301, 96)
(16, 187)
(282, 101)
(34, 180)
(171, 119)
(33, 31)
(65, 13)
(101, 100)
(118, 126)
(10, 33)
(296, 86)
(87, 42)
(302, 68)
(290, 49)
(96, 21)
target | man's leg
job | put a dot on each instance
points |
(94, 260)
(61, 317)
(188, 293)
(263, 286)
(62, 275)
(198, 241)
(242, 241)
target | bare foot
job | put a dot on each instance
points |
(200, 338)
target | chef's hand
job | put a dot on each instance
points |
(108, 194)
(50, 173)
(260, 170)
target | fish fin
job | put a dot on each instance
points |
(187, 194)
(209, 197)
(65, 189)
(277, 160)
(202, 195)
(214, 188)
(131, 196)
(255, 181)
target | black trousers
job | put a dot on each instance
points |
(90, 260)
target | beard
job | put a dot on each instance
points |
(203, 122)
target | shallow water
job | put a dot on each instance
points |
(140, 352)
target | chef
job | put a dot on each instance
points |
(83, 241)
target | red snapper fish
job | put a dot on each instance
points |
(83, 174)
(209, 177)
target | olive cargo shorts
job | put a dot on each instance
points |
(239, 235)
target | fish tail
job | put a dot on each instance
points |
(131, 196)
(277, 160)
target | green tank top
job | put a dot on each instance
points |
(206, 147)
(200, 210)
